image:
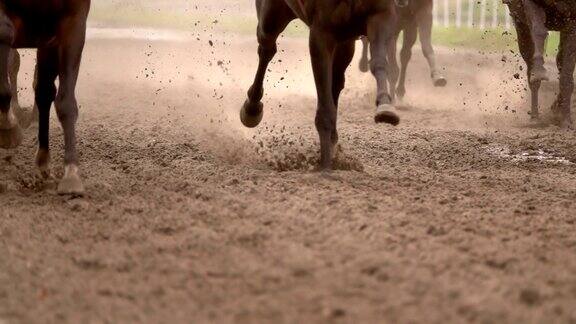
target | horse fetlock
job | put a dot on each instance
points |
(10, 131)
(43, 163)
(438, 79)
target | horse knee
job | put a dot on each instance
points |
(7, 33)
(267, 47)
(66, 108)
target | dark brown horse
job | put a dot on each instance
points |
(57, 28)
(561, 16)
(414, 19)
(334, 27)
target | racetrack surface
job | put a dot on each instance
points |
(463, 213)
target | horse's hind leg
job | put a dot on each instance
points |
(425, 21)
(322, 53)
(10, 132)
(45, 92)
(381, 31)
(273, 17)
(72, 35)
(14, 67)
(526, 47)
(364, 61)
(567, 63)
(343, 56)
(410, 36)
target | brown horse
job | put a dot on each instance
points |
(561, 16)
(57, 28)
(414, 19)
(334, 27)
(24, 118)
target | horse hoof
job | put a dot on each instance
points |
(440, 82)
(11, 138)
(251, 114)
(386, 113)
(567, 124)
(71, 184)
(400, 93)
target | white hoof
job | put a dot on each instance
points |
(71, 184)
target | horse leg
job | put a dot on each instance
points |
(35, 114)
(526, 47)
(273, 17)
(322, 53)
(343, 56)
(425, 20)
(381, 29)
(10, 131)
(364, 64)
(72, 34)
(410, 36)
(567, 61)
(536, 17)
(393, 69)
(14, 67)
(45, 93)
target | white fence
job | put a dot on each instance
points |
(481, 14)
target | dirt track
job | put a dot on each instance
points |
(454, 216)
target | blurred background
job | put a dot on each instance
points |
(475, 24)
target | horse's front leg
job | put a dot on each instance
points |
(425, 30)
(72, 35)
(381, 28)
(566, 63)
(10, 132)
(364, 60)
(322, 49)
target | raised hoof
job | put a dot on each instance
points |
(386, 113)
(71, 184)
(11, 138)
(440, 82)
(251, 114)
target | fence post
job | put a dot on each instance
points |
(507, 21)
(435, 12)
(446, 14)
(471, 13)
(495, 13)
(483, 14)
(458, 13)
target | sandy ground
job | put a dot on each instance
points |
(463, 213)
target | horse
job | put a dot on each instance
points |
(57, 28)
(334, 27)
(24, 118)
(414, 19)
(561, 16)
